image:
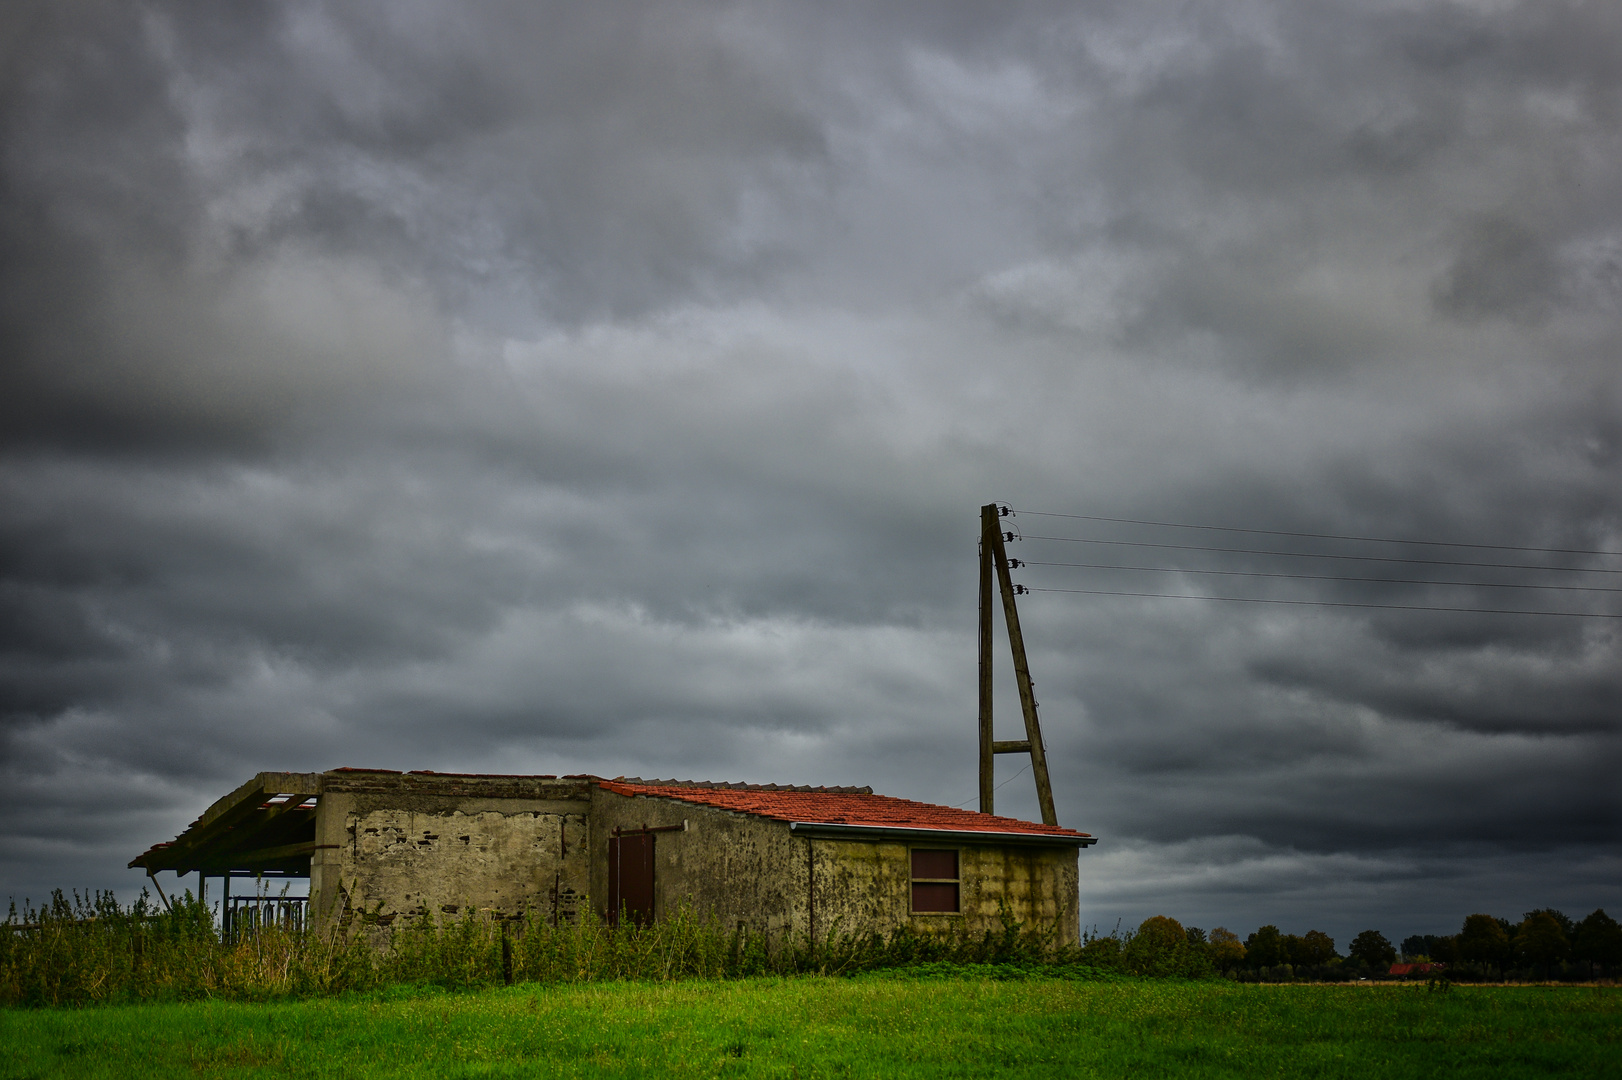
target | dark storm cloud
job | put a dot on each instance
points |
(172, 174)
(612, 388)
(1502, 269)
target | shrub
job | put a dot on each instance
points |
(1101, 950)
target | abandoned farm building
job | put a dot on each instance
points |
(780, 860)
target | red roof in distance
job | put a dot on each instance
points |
(834, 806)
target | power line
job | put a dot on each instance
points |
(1326, 555)
(1325, 577)
(1319, 536)
(1023, 769)
(1332, 603)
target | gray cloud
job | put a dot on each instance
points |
(503, 387)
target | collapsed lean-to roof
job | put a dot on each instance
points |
(265, 826)
(268, 824)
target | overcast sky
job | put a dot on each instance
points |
(613, 388)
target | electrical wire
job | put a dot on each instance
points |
(1318, 536)
(996, 789)
(1331, 603)
(1327, 555)
(1326, 577)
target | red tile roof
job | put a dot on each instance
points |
(832, 806)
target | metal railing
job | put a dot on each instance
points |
(247, 915)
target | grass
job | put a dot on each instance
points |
(881, 1025)
(90, 951)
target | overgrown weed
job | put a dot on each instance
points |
(90, 950)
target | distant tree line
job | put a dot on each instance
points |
(1545, 944)
(1545, 941)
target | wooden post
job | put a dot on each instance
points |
(988, 771)
(1022, 675)
(153, 875)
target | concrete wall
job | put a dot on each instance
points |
(404, 845)
(729, 867)
(736, 868)
(1040, 885)
(397, 846)
(865, 885)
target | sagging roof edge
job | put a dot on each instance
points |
(162, 856)
(832, 831)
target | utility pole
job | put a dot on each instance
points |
(988, 774)
(994, 556)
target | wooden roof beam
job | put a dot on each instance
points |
(188, 850)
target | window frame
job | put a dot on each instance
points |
(913, 882)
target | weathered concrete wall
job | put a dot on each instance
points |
(398, 846)
(1040, 885)
(737, 868)
(729, 867)
(404, 846)
(863, 885)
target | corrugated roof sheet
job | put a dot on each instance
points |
(832, 806)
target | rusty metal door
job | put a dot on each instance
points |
(630, 877)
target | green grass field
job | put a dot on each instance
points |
(879, 1026)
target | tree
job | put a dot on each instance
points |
(1433, 947)
(1196, 936)
(1598, 939)
(1483, 941)
(1265, 948)
(1312, 948)
(1226, 950)
(1162, 932)
(1541, 940)
(1161, 947)
(1567, 927)
(1371, 949)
